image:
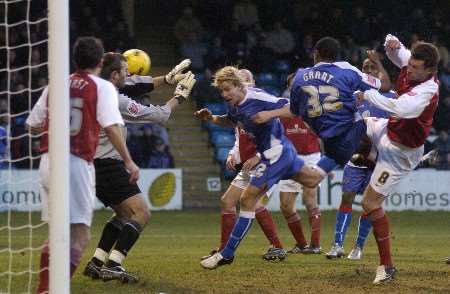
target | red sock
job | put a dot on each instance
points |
(265, 220)
(380, 225)
(314, 222)
(75, 257)
(227, 220)
(43, 275)
(295, 226)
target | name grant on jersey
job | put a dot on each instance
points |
(317, 75)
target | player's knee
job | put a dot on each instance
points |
(286, 208)
(227, 204)
(143, 216)
(368, 205)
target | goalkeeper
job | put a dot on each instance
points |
(113, 188)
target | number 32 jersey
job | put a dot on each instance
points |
(94, 104)
(323, 96)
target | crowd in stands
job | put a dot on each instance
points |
(23, 72)
(273, 38)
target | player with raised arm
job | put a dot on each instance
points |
(357, 174)
(399, 140)
(279, 158)
(131, 212)
(94, 105)
(244, 154)
(308, 148)
(323, 96)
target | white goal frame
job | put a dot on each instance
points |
(59, 145)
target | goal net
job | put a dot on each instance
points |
(24, 72)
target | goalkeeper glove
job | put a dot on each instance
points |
(184, 87)
(176, 74)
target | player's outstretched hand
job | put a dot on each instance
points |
(230, 163)
(176, 74)
(203, 114)
(185, 86)
(262, 117)
(250, 164)
(133, 170)
(373, 55)
(392, 42)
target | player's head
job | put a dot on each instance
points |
(115, 69)
(88, 53)
(423, 62)
(247, 77)
(230, 84)
(326, 49)
(369, 67)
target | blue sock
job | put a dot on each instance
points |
(363, 230)
(343, 220)
(243, 224)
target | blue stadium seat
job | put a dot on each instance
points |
(214, 128)
(266, 79)
(216, 108)
(228, 174)
(221, 139)
(282, 66)
(222, 153)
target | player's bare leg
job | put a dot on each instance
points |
(371, 203)
(308, 176)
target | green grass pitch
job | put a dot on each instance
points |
(166, 258)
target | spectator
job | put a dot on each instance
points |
(194, 49)
(187, 25)
(442, 144)
(245, 13)
(160, 156)
(280, 41)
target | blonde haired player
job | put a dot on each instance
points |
(244, 154)
(279, 158)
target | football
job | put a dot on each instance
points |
(139, 63)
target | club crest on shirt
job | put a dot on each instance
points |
(133, 108)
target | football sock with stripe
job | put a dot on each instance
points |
(364, 228)
(243, 224)
(343, 220)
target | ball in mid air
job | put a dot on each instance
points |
(139, 62)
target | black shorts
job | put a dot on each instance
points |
(111, 182)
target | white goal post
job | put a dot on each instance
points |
(59, 145)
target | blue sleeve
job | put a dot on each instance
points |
(276, 105)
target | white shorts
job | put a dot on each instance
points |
(242, 180)
(81, 193)
(293, 186)
(394, 162)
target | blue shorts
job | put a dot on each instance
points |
(288, 165)
(355, 179)
(342, 147)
